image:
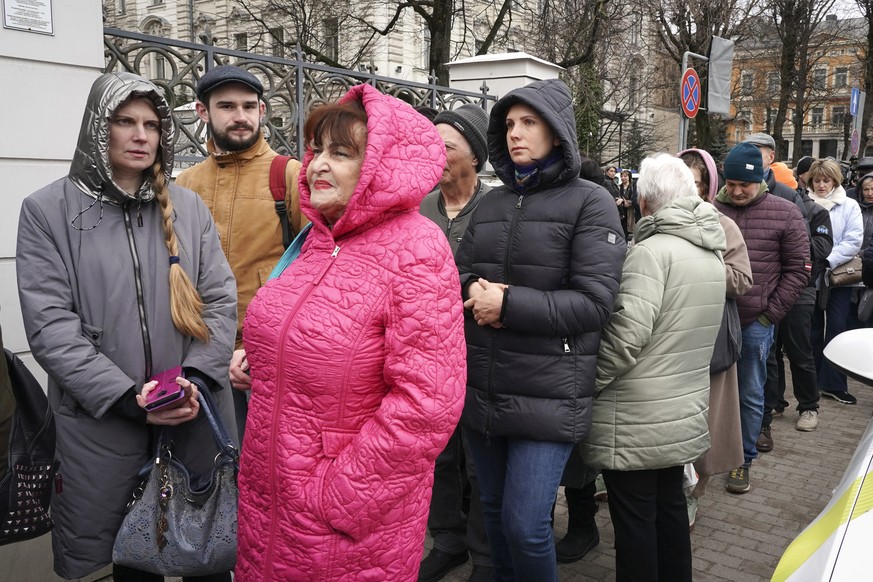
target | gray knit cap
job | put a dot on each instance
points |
(472, 121)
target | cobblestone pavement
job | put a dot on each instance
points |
(741, 537)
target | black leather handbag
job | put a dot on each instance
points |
(25, 485)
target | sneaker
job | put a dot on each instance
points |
(691, 504)
(808, 420)
(738, 480)
(765, 441)
(600, 492)
(578, 542)
(480, 574)
(843, 397)
(437, 564)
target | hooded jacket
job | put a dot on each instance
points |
(357, 358)
(94, 290)
(778, 244)
(653, 370)
(559, 246)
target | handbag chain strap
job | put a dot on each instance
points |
(166, 492)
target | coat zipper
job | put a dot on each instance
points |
(140, 299)
(277, 409)
(494, 335)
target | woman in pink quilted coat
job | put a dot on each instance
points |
(357, 358)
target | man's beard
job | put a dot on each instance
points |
(228, 143)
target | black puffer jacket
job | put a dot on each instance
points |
(560, 247)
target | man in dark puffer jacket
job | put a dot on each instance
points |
(778, 246)
(550, 247)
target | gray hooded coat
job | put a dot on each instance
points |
(94, 288)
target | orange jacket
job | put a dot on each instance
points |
(236, 188)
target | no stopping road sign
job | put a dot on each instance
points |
(689, 93)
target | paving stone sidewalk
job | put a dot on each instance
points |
(741, 537)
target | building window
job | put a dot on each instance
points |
(636, 31)
(633, 86)
(817, 117)
(477, 45)
(838, 117)
(747, 81)
(841, 77)
(331, 38)
(773, 83)
(278, 35)
(241, 41)
(122, 6)
(819, 78)
(771, 119)
(156, 2)
(425, 49)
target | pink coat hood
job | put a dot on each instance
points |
(358, 368)
(399, 168)
(711, 169)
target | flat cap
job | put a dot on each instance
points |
(761, 140)
(227, 74)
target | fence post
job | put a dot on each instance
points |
(299, 96)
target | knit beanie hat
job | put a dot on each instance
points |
(744, 164)
(472, 121)
(783, 174)
(803, 164)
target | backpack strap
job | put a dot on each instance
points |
(278, 189)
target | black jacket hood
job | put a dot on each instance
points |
(552, 100)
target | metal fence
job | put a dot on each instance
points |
(291, 86)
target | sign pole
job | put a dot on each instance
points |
(690, 96)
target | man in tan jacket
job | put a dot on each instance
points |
(234, 182)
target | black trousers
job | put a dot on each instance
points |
(652, 541)
(453, 530)
(792, 339)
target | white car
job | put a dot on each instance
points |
(836, 546)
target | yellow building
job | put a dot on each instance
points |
(834, 67)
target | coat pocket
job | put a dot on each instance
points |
(334, 440)
(93, 334)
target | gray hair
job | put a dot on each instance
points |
(663, 179)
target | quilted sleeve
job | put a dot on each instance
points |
(849, 245)
(425, 371)
(637, 307)
(793, 252)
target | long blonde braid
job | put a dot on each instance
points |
(186, 306)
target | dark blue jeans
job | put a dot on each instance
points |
(752, 375)
(518, 482)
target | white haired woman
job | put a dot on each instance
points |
(649, 417)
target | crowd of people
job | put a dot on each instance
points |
(442, 355)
